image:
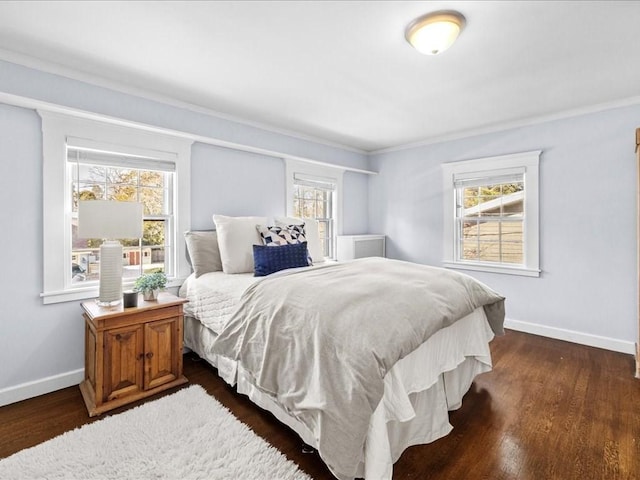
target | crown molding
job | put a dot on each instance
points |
(41, 106)
(96, 80)
(500, 127)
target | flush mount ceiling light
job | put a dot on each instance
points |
(434, 32)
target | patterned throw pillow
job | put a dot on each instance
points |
(276, 235)
(311, 233)
(297, 233)
(271, 259)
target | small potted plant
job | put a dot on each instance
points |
(150, 285)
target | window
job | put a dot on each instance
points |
(313, 191)
(108, 176)
(491, 214)
(85, 159)
(314, 199)
(489, 219)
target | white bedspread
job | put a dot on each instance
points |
(413, 408)
(214, 296)
(318, 340)
(418, 391)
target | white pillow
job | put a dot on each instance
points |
(311, 232)
(236, 237)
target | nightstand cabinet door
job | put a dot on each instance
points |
(123, 362)
(162, 353)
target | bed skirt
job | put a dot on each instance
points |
(418, 391)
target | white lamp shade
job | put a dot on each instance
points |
(434, 33)
(109, 219)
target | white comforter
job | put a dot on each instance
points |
(321, 341)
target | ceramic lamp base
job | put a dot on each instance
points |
(110, 273)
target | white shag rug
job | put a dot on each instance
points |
(186, 435)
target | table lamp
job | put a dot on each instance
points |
(110, 220)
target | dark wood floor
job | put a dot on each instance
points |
(548, 410)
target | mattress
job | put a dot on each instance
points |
(214, 296)
(418, 391)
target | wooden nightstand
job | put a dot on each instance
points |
(131, 353)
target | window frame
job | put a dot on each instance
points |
(322, 174)
(57, 129)
(492, 167)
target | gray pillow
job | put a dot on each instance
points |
(204, 253)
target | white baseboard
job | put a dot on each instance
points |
(32, 389)
(607, 343)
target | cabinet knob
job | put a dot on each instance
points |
(150, 355)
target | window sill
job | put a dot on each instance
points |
(481, 267)
(84, 293)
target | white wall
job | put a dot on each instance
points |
(587, 289)
(42, 346)
(232, 183)
(36, 341)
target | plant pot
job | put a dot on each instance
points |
(150, 295)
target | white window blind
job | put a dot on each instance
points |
(108, 159)
(476, 179)
(320, 183)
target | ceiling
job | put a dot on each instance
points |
(342, 71)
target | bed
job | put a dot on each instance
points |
(272, 338)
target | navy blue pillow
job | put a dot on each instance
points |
(270, 259)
